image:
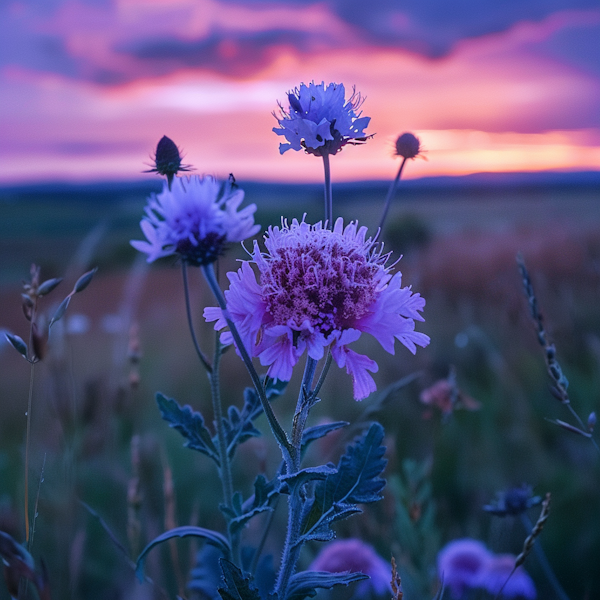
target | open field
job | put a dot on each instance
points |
(459, 246)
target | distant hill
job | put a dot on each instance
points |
(486, 183)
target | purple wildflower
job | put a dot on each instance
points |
(195, 219)
(460, 564)
(495, 574)
(320, 288)
(321, 120)
(467, 564)
(355, 556)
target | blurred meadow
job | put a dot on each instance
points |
(98, 437)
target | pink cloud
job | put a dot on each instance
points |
(497, 102)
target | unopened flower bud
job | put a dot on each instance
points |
(408, 145)
(167, 160)
(591, 422)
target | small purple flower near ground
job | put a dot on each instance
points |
(318, 289)
(356, 557)
(460, 563)
(496, 573)
(320, 120)
(195, 219)
(466, 564)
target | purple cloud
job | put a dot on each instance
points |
(94, 41)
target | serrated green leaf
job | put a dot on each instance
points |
(305, 583)
(308, 474)
(17, 343)
(356, 481)
(318, 431)
(214, 537)
(190, 424)
(240, 513)
(238, 586)
(239, 425)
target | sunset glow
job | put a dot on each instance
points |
(127, 73)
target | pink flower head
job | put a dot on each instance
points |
(320, 288)
(496, 573)
(195, 219)
(355, 556)
(460, 564)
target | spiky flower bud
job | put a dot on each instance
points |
(167, 160)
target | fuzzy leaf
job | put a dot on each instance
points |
(84, 281)
(239, 426)
(205, 577)
(305, 583)
(208, 534)
(190, 424)
(356, 481)
(318, 431)
(60, 311)
(308, 474)
(17, 343)
(48, 285)
(275, 388)
(237, 585)
(240, 515)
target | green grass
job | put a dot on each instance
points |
(461, 259)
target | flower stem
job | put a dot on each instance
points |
(225, 464)
(323, 374)
(390, 195)
(188, 310)
(27, 444)
(32, 360)
(276, 428)
(328, 192)
(303, 405)
(541, 556)
(296, 499)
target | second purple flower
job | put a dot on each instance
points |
(320, 288)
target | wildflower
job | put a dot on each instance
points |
(467, 564)
(355, 556)
(498, 572)
(447, 397)
(320, 288)
(408, 145)
(513, 502)
(167, 160)
(195, 220)
(321, 120)
(460, 564)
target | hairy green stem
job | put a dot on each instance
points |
(390, 195)
(188, 310)
(296, 499)
(328, 192)
(225, 464)
(276, 428)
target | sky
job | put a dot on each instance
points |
(88, 87)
